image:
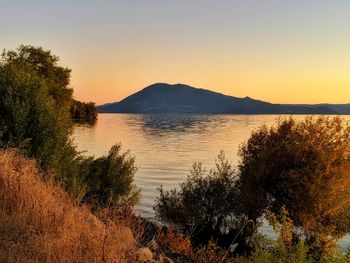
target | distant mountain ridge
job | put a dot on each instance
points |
(181, 98)
(339, 108)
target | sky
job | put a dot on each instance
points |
(281, 51)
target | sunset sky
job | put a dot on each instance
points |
(286, 51)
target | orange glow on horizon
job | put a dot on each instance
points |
(285, 52)
(275, 86)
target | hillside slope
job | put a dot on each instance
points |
(180, 98)
(40, 223)
(339, 108)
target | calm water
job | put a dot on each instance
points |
(166, 146)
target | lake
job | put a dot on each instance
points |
(166, 146)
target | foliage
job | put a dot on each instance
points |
(295, 173)
(298, 253)
(276, 254)
(282, 225)
(36, 61)
(206, 206)
(110, 179)
(83, 111)
(280, 254)
(302, 167)
(34, 99)
(35, 103)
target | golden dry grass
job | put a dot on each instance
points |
(40, 223)
(175, 241)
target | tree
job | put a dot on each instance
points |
(304, 168)
(206, 206)
(82, 111)
(40, 62)
(35, 103)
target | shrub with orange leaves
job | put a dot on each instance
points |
(303, 166)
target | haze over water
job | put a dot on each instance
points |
(166, 146)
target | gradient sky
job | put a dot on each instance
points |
(286, 51)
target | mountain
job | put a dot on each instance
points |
(180, 98)
(339, 108)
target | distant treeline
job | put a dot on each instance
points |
(85, 111)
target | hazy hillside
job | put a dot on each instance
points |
(339, 108)
(179, 98)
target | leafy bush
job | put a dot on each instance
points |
(207, 205)
(110, 179)
(280, 254)
(303, 167)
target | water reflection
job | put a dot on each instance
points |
(162, 125)
(84, 123)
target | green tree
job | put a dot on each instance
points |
(42, 63)
(35, 103)
(82, 111)
(304, 168)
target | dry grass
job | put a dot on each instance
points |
(40, 223)
(175, 241)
